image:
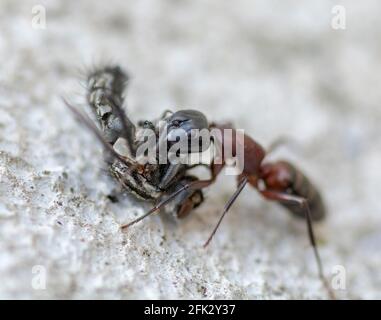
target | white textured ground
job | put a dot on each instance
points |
(271, 67)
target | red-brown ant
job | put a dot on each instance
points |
(279, 181)
(163, 183)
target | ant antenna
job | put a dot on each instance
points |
(158, 206)
(193, 185)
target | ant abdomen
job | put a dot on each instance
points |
(284, 176)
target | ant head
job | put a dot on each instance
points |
(186, 126)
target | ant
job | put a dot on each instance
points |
(278, 181)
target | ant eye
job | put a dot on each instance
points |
(147, 124)
(176, 123)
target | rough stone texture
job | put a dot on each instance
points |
(271, 67)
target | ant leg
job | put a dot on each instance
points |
(288, 198)
(186, 200)
(240, 187)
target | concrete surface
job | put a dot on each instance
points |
(272, 67)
